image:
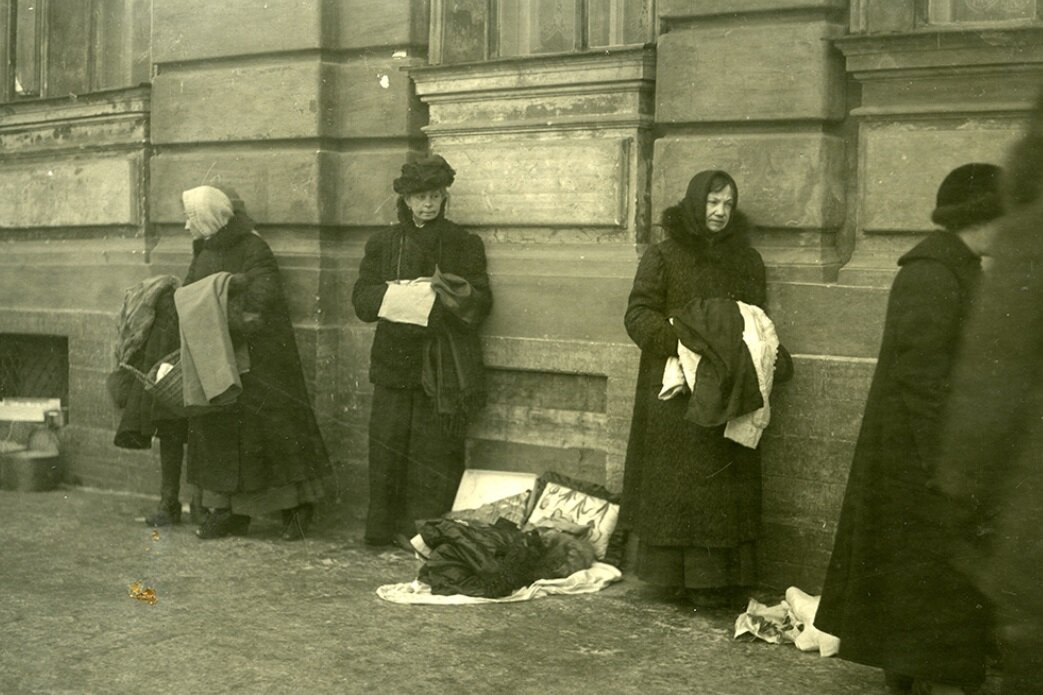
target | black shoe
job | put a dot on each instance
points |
(221, 523)
(296, 522)
(167, 514)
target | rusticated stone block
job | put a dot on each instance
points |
(816, 319)
(379, 23)
(369, 97)
(546, 307)
(362, 193)
(554, 183)
(279, 185)
(785, 180)
(583, 464)
(904, 163)
(71, 191)
(749, 71)
(237, 102)
(185, 30)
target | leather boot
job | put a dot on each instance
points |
(167, 513)
(222, 523)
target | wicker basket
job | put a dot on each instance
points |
(167, 391)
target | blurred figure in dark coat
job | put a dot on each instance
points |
(992, 464)
(890, 594)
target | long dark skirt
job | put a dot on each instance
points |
(693, 567)
(414, 466)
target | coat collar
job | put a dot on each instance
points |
(730, 238)
(948, 249)
(228, 236)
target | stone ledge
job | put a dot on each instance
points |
(941, 48)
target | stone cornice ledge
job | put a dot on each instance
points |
(942, 48)
(113, 102)
(526, 73)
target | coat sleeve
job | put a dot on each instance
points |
(477, 304)
(756, 284)
(646, 318)
(255, 291)
(991, 403)
(370, 286)
(925, 311)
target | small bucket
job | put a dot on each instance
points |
(30, 471)
(33, 469)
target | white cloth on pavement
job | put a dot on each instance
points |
(586, 581)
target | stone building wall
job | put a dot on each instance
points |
(837, 119)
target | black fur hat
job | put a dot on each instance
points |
(969, 195)
(426, 174)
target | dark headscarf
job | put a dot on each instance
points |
(693, 205)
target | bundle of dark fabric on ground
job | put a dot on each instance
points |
(495, 560)
(478, 559)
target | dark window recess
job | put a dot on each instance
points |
(475, 30)
(61, 47)
(34, 366)
(973, 11)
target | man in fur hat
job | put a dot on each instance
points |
(890, 594)
(424, 282)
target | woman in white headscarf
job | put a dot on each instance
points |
(264, 452)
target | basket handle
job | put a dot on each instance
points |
(132, 370)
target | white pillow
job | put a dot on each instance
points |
(561, 502)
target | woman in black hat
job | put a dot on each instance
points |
(890, 594)
(424, 282)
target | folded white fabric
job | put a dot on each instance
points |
(679, 372)
(804, 607)
(408, 301)
(586, 581)
(763, 344)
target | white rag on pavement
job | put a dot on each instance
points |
(586, 581)
(792, 620)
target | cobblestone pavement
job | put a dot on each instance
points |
(260, 615)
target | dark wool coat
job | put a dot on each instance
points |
(142, 417)
(990, 463)
(889, 593)
(404, 251)
(687, 485)
(269, 437)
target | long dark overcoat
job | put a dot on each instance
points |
(890, 594)
(269, 437)
(142, 417)
(991, 452)
(687, 485)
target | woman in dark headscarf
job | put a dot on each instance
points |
(692, 495)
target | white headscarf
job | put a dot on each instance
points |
(207, 210)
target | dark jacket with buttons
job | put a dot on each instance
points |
(406, 252)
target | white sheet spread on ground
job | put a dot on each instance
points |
(587, 581)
